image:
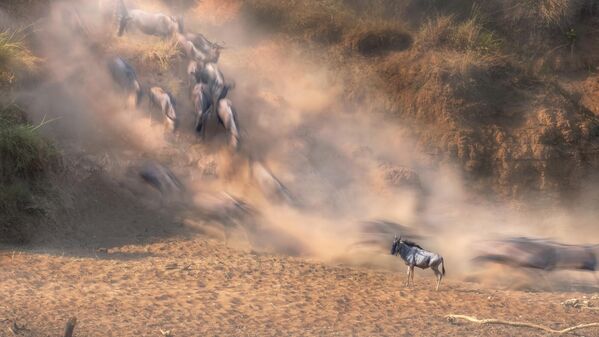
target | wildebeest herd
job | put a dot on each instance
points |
(207, 87)
(208, 93)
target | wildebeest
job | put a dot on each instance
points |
(540, 254)
(204, 55)
(210, 50)
(210, 74)
(124, 75)
(375, 234)
(161, 178)
(416, 256)
(226, 209)
(227, 117)
(268, 183)
(165, 101)
(157, 24)
(201, 104)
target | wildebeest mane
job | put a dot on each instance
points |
(411, 243)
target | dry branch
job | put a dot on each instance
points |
(68, 332)
(453, 318)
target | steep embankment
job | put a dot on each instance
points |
(503, 88)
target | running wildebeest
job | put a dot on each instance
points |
(165, 101)
(201, 104)
(416, 256)
(268, 183)
(124, 75)
(229, 211)
(375, 234)
(157, 24)
(227, 117)
(161, 178)
(210, 50)
(540, 254)
(192, 52)
(210, 74)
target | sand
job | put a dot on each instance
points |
(199, 287)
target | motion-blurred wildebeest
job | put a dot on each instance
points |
(540, 254)
(157, 24)
(124, 75)
(268, 183)
(227, 117)
(210, 74)
(210, 50)
(229, 211)
(192, 52)
(161, 178)
(416, 256)
(166, 103)
(201, 104)
(376, 235)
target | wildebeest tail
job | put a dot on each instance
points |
(443, 266)
(138, 93)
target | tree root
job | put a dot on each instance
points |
(454, 318)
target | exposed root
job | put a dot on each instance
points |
(454, 318)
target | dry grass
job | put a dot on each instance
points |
(155, 54)
(15, 57)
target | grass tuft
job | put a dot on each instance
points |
(15, 57)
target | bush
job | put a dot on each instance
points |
(25, 158)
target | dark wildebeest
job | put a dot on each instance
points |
(210, 74)
(201, 104)
(161, 178)
(416, 256)
(157, 24)
(166, 103)
(124, 75)
(540, 254)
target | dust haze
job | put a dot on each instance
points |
(343, 163)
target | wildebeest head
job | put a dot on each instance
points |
(395, 245)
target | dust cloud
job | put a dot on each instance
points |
(340, 163)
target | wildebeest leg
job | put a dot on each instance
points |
(412, 274)
(438, 275)
(408, 280)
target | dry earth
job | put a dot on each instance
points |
(198, 287)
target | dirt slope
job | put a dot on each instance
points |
(201, 288)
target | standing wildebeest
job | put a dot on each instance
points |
(415, 256)
(540, 254)
(124, 75)
(165, 101)
(157, 24)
